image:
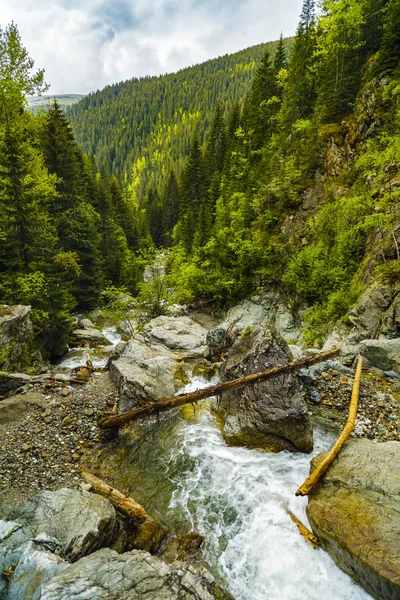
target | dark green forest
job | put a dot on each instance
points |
(277, 166)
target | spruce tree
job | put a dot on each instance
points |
(170, 207)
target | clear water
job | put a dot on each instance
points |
(235, 498)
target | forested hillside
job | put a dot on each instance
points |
(142, 127)
(65, 230)
(291, 177)
(299, 186)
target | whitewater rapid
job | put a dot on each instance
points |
(236, 499)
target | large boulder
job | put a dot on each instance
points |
(366, 316)
(69, 522)
(382, 354)
(16, 337)
(151, 367)
(271, 414)
(355, 513)
(144, 374)
(91, 337)
(177, 333)
(135, 575)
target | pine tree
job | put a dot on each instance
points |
(262, 103)
(193, 197)
(216, 145)
(280, 59)
(170, 206)
(390, 48)
(300, 90)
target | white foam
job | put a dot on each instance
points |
(235, 497)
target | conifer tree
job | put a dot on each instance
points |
(193, 196)
(280, 59)
(390, 48)
(170, 206)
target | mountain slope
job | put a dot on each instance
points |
(132, 124)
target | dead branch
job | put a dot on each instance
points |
(113, 422)
(322, 468)
(306, 533)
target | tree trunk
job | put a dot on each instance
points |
(141, 412)
(322, 468)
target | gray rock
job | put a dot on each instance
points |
(176, 333)
(382, 354)
(355, 514)
(34, 569)
(134, 575)
(144, 374)
(315, 397)
(86, 324)
(16, 336)
(68, 522)
(215, 339)
(148, 370)
(367, 314)
(390, 327)
(93, 337)
(391, 374)
(330, 365)
(121, 347)
(9, 382)
(271, 414)
(296, 351)
(306, 376)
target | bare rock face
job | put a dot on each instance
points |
(151, 367)
(16, 335)
(355, 512)
(69, 522)
(270, 415)
(134, 575)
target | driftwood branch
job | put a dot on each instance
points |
(116, 421)
(306, 533)
(322, 468)
(123, 503)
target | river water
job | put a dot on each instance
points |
(235, 498)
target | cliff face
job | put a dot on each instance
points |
(348, 221)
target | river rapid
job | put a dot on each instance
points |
(235, 498)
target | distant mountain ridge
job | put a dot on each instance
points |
(64, 100)
(141, 128)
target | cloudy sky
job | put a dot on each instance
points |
(84, 45)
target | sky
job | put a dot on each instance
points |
(84, 45)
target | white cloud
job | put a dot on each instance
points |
(85, 45)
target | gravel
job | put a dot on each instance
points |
(42, 447)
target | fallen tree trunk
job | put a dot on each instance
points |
(123, 503)
(322, 468)
(116, 421)
(306, 533)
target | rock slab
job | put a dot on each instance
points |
(270, 415)
(16, 335)
(355, 512)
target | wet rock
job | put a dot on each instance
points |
(69, 522)
(176, 333)
(93, 337)
(16, 336)
(382, 354)
(354, 512)
(204, 369)
(180, 378)
(112, 576)
(271, 414)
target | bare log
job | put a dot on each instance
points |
(123, 503)
(305, 532)
(113, 422)
(322, 468)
